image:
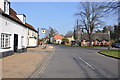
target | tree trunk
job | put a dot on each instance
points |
(90, 39)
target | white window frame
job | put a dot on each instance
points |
(32, 34)
(5, 40)
(6, 7)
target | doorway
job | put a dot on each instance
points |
(15, 42)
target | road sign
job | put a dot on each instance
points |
(43, 30)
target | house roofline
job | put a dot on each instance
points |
(22, 14)
(16, 21)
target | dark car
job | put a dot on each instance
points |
(116, 45)
(75, 43)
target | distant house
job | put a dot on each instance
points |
(58, 38)
(15, 34)
(96, 42)
(98, 39)
(69, 37)
(84, 43)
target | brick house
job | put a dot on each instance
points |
(98, 39)
(96, 43)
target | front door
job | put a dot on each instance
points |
(15, 42)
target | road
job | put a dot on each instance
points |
(76, 62)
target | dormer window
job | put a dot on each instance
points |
(7, 7)
(22, 17)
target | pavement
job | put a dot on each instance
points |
(76, 62)
(24, 64)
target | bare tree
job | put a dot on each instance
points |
(77, 30)
(69, 33)
(111, 5)
(52, 32)
(90, 17)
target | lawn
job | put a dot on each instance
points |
(100, 47)
(114, 53)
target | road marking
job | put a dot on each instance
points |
(87, 63)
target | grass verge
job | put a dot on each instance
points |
(100, 47)
(112, 53)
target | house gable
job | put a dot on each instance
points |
(58, 36)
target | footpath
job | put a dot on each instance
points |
(21, 65)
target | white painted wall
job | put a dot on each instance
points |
(1, 27)
(58, 41)
(11, 27)
(32, 40)
(22, 17)
(71, 39)
(2, 4)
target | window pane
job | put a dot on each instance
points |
(5, 40)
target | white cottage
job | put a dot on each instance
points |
(15, 34)
(32, 36)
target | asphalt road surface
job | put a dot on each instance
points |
(76, 62)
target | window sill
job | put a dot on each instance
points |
(6, 48)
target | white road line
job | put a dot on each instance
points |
(87, 63)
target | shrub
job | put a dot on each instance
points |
(65, 40)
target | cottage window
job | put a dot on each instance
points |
(32, 34)
(5, 40)
(6, 7)
(28, 32)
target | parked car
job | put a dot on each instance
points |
(40, 43)
(75, 43)
(116, 45)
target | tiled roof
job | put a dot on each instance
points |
(13, 15)
(96, 36)
(30, 26)
(58, 36)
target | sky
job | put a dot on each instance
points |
(58, 15)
